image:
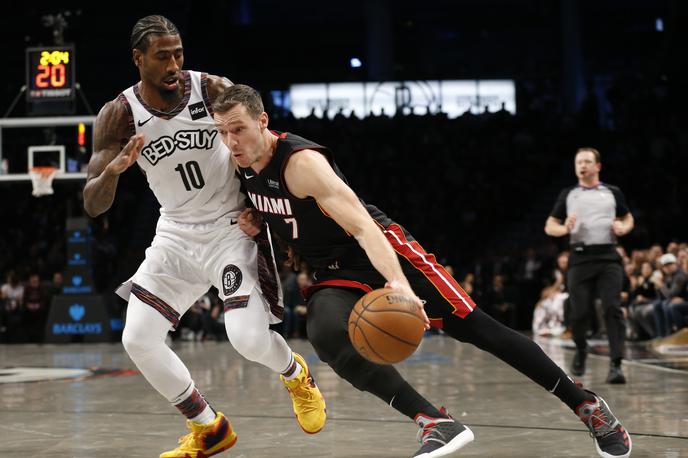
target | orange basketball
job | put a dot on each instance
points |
(385, 326)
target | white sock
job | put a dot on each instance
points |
(297, 371)
(205, 417)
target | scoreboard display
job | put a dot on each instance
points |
(50, 74)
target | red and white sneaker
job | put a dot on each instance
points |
(440, 436)
(611, 438)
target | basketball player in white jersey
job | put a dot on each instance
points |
(164, 124)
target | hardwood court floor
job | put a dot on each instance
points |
(114, 413)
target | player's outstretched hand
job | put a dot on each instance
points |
(127, 157)
(406, 290)
(250, 222)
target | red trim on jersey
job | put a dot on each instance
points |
(279, 135)
(437, 323)
(428, 265)
(310, 290)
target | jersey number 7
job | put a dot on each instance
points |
(294, 227)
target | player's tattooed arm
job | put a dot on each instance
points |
(113, 153)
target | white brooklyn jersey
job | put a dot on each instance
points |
(187, 166)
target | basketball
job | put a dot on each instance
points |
(385, 326)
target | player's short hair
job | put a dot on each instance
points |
(239, 94)
(153, 24)
(598, 158)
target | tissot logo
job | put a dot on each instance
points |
(197, 111)
(183, 139)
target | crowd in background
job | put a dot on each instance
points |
(474, 190)
(24, 306)
(654, 296)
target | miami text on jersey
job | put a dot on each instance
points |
(274, 205)
(183, 139)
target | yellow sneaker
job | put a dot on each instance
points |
(309, 405)
(204, 440)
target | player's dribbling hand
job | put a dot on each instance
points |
(407, 291)
(127, 157)
(250, 222)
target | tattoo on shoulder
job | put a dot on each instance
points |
(217, 84)
(111, 127)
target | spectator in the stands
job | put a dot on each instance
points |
(672, 290)
(35, 309)
(643, 296)
(11, 309)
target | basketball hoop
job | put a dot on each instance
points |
(42, 180)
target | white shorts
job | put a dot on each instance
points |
(185, 260)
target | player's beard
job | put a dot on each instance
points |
(171, 97)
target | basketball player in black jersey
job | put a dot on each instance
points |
(352, 248)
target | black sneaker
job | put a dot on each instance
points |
(611, 439)
(616, 375)
(578, 365)
(440, 436)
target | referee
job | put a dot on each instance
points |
(594, 214)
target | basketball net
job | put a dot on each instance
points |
(42, 180)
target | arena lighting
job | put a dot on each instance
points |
(451, 97)
(355, 62)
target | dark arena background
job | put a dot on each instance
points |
(460, 119)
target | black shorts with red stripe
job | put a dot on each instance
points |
(442, 294)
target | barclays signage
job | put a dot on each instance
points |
(77, 312)
(79, 236)
(77, 286)
(77, 260)
(78, 275)
(80, 318)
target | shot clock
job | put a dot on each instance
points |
(50, 74)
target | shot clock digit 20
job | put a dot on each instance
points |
(50, 73)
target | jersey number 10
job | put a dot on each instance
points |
(191, 175)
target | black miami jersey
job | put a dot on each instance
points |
(336, 258)
(319, 240)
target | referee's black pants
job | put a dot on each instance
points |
(588, 281)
